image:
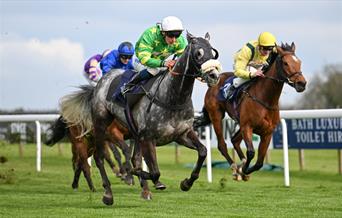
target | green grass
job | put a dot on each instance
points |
(314, 192)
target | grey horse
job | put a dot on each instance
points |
(164, 118)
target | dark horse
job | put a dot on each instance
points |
(165, 118)
(257, 109)
(82, 148)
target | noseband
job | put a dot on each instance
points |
(190, 57)
(281, 77)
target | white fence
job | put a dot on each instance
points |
(293, 114)
(37, 118)
(284, 114)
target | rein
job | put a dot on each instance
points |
(281, 78)
(261, 102)
(154, 99)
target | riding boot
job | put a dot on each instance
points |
(230, 92)
(140, 76)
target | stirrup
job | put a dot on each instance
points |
(126, 88)
(230, 93)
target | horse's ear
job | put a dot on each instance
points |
(189, 36)
(207, 36)
(293, 47)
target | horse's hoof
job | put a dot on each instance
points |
(184, 185)
(245, 177)
(147, 195)
(159, 186)
(107, 200)
(237, 177)
(116, 172)
(129, 180)
(74, 186)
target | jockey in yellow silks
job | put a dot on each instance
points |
(250, 59)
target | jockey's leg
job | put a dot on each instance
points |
(140, 76)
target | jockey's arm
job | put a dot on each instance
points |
(144, 51)
(92, 73)
(241, 60)
(107, 64)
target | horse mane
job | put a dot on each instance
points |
(286, 47)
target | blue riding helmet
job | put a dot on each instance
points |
(126, 48)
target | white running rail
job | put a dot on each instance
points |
(37, 118)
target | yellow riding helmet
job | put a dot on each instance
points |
(267, 39)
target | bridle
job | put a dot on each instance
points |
(198, 69)
(281, 76)
(153, 98)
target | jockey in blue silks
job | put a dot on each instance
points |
(100, 64)
(118, 59)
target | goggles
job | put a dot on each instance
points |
(267, 48)
(125, 57)
(173, 34)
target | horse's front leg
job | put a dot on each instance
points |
(118, 173)
(109, 160)
(137, 170)
(236, 141)
(191, 141)
(247, 134)
(127, 151)
(216, 118)
(262, 150)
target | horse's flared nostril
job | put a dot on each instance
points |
(300, 86)
(213, 76)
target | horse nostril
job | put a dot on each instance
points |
(212, 76)
(300, 86)
(302, 83)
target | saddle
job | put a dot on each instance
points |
(237, 91)
(131, 98)
(236, 98)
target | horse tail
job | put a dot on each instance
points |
(59, 130)
(202, 120)
(76, 109)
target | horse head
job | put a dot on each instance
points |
(202, 59)
(291, 67)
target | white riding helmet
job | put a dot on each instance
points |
(171, 23)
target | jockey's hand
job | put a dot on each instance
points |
(257, 73)
(169, 63)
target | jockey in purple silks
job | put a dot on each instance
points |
(99, 65)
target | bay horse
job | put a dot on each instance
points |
(256, 110)
(82, 148)
(165, 118)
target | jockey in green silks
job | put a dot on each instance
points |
(154, 46)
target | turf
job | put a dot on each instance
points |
(314, 192)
